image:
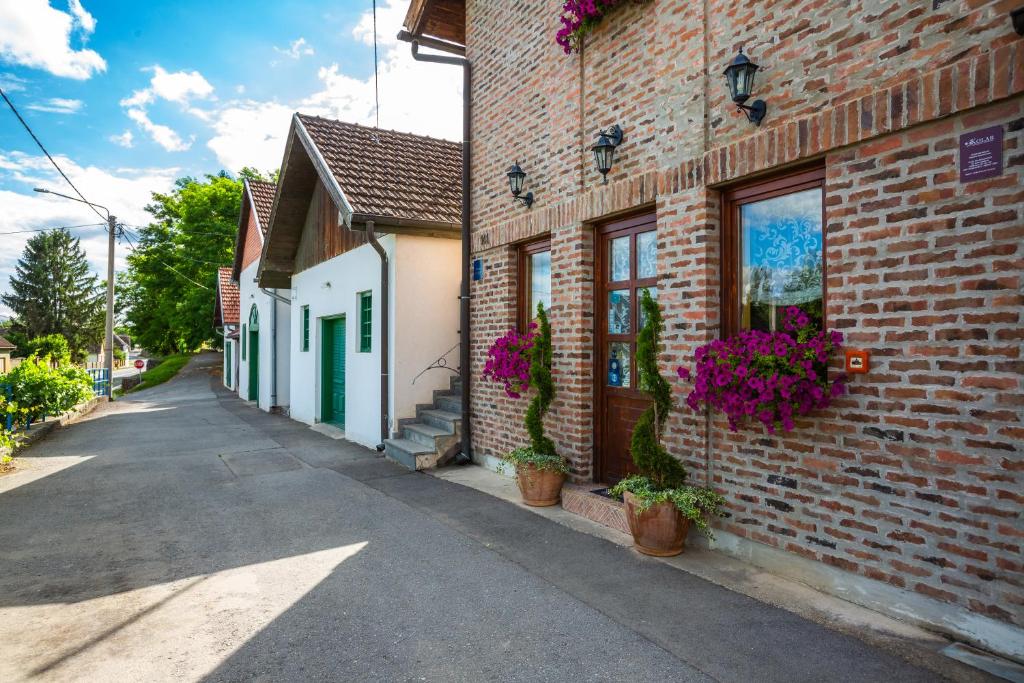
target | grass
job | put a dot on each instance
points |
(168, 368)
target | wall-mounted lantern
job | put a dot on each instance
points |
(516, 176)
(604, 149)
(740, 76)
(1017, 17)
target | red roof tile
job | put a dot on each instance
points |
(263, 198)
(389, 174)
(4, 344)
(227, 294)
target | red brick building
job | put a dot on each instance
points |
(910, 486)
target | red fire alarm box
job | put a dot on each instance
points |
(858, 361)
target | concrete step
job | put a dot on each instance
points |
(452, 404)
(424, 433)
(442, 419)
(412, 454)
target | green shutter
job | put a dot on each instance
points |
(365, 322)
(243, 342)
(305, 328)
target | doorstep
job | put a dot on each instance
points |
(720, 563)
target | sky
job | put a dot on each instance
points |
(128, 97)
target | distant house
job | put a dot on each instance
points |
(225, 321)
(263, 349)
(364, 233)
(6, 349)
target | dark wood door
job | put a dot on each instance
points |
(626, 265)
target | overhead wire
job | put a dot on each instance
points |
(52, 161)
(171, 268)
(59, 227)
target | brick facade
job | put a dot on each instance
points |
(915, 477)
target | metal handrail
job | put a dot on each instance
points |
(441, 363)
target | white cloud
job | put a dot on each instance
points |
(34, 34)
(125, 139)
(125, 191)
(415, 97)
(12, 83)
(57, 105)
(180, 87)
(165, 136)
(296, 49)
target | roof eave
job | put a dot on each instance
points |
(406, 226)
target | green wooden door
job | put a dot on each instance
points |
(227, 364)
(254, 366)
(332, 380)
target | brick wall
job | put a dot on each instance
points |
(253, 241)
(914, 478)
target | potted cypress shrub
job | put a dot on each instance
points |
(660, 508)
(521, 362)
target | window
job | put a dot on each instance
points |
(243, 342)
(534, 279)
(305, 328)
(365, 322)
(772, 252)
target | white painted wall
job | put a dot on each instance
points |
(330, 290)
(230, 375)
(249, 295)
(425, 311)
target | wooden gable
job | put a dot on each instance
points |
(323, 236)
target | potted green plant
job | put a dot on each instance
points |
(522, 361)
(660, 508)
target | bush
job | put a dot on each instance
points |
(540, 377)
(53, 345)
(119, 355)
(661, 476)
(48, 390)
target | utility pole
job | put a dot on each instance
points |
(112, 230)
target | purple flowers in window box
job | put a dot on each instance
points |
(579, 17)
(508, 361)
(772, 377)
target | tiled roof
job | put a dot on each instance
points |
(263, 198)
(4, 344)
(228, 297)
(389, 174)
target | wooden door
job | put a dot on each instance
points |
(254, 365)
(626, 265)
(332, 400)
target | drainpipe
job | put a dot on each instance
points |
(385, 350)
(465, 455)
(274, 297)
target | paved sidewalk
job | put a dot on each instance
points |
(182, 534)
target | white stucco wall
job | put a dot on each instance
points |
(331, 289)
(250, 294)
(230, 374)
(426, 313)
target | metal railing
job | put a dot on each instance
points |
(100, 381)
(440, 364)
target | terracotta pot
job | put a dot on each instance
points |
(660, 530)
(540, 488)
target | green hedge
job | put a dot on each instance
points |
(44, 390)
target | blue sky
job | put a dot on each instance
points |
(129, 96)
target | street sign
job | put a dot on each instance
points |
(139, 364)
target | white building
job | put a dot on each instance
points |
(264, 341)
(225, 322)
(365, 217)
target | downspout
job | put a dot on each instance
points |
(385, 339)
(465, 455)
(274, 298)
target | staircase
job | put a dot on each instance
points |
(431, 438)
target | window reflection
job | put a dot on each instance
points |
(781, 259)
(620, 259)
(539, 273)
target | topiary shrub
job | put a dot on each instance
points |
(540, 378)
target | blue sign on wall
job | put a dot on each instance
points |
(478, 269)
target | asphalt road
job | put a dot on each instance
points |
(182, 534)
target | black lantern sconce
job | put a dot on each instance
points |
(1017, 17)
(604, 149)
(740, 76)
(516, 176)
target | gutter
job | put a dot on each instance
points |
(465, 455)
(385, 338)
(274, 297)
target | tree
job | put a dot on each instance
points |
(53, 292)
(167, 293)
(53, 345)
(649, 454)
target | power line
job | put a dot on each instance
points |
(128, 233)
(59, 170)
(61, 227)
(172, 269)
(376, 89)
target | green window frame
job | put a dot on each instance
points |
(365, 322)
(305, 328)
(243, 342)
